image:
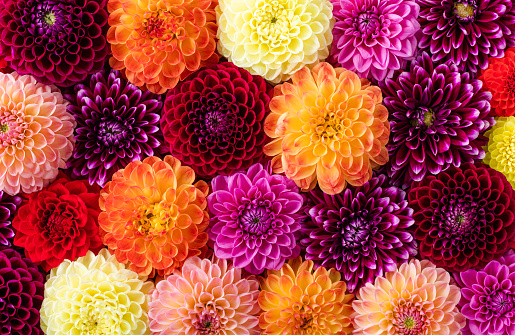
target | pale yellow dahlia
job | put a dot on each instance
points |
(274, 38)
(417, 299)
(500, 152)
(328, 126)
(95, 295)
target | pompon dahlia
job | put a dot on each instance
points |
(206, 297)
(36, 133)
(57, 41)
(8, 206)
(500, 151)
(467, 32)
(362, 232)
(416, 299)
(327, 126)
(213, 121)
(95, 295)
(464, 217)
(274, 38)
(437, 115)
(153, 216)
(157, 43)
(117, 123)
(375, 38)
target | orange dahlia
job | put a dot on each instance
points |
(328, 125)
(153, 215)
(159, 42)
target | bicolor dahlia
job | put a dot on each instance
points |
(254, 218)
(467, 32)
(464, 217)
(362, 232)
(327, 126)
(153, 216)
(375, 38)
(157, 43)
(57, 41)
(36, 133)
(275, 38)
(416, 299)
(206, 297)
(8, 206)
(500, 152)
(214, 120)
(117, 123)
(437, 115)
(95, 295)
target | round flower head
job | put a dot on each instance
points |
(57, 41)
(206, 297)
(157, 43)
(117, 123)
(297, 300)
(254, 219)
(437, 114)
(500, 154)
(36, 134)
(375, 38)
(328, 126)
(213, 121)
(416, 299)
(153, 216)
(95, 295)
(274, 38)
(467, 32)
(464, 217)
(8, 206)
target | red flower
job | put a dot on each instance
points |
(59, 222)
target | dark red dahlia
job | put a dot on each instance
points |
(213, 121)
(464, 217)
(59, 222)
(57, 41)
(8, 206)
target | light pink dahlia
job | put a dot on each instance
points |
(206, 298)
(36, 133)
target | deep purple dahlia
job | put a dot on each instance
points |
(21, 294)
(375, 37)
(437, 116)
(362, 232)
(254, 216)
(213, 121)
(57, 41)
(117, 123)
(467, 31)
(8, 206)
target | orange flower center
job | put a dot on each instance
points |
(155, 219)
(161, 24)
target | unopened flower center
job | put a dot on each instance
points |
(93, 321)
(207, 323)
(256, 221)
(510, 83)
(355, 230)
(111, 132)
(464, 11)
(49, 18)
(13, 127)
(154, 219)
(501, 302)
(4, 128)
(409, 323)
(409, 319)
(423, 118)
(272, 22)
(368, 24)
(161, 24)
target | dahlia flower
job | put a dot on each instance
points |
(213, 121)
(36, 134)
(500, 152)
(274, 38)
(95, 295)
(464, 217)
(153, 215)
(8, 206)
(437, 115)
(57, 41)
(21, 287)
(328, 126)
(467, 32)
(206, 297)
(254, 219)
(117, 123)
(416, 299)
(297, 300)
(157, 43)
(374, 38)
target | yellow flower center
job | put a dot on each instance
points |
(4, 128)
(49, 18)
(163, 23)
(464, 10)
(93, 320)
(271, 21)
(155, 219)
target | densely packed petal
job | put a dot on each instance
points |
(8, 206)
(500, 151)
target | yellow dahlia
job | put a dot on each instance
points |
(417, 299)
(328, 125)
(95, 295)
(500, 151)
(274, 38)
(298, 301)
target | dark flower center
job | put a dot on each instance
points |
(424, 117)
(355, 229)
(208, 323)
(368, 24)
(273, 20)
(4, 128)
(464, 11)
(112, 132)
(256, 221)
(501, 302)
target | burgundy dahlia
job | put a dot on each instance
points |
(213, 121)
(437, 116)
(8, 206)
(464, 217)
(57, 41)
